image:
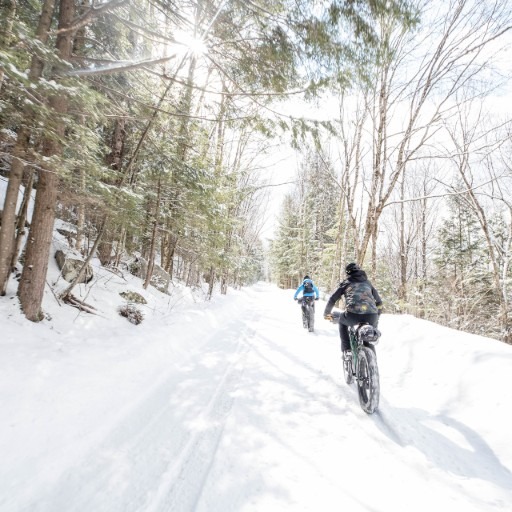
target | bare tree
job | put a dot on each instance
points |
(419, 76)
(473, 146)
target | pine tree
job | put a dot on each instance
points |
(462, 288)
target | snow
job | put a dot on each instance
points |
(3, 190)
(230, 405)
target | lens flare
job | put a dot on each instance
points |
(191, 43)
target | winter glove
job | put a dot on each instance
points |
(316, 298)
(328, 317)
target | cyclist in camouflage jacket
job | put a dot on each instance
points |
(362, 302)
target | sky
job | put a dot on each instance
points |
(230, 405)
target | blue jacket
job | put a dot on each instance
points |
(301, 289)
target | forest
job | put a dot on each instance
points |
(142, 128)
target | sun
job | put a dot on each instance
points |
(191, 43)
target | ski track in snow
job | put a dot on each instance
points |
(256, 418)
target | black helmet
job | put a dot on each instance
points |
(306, 277)
(351, 268)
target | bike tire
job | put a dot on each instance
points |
(348, 372)
(368, 385)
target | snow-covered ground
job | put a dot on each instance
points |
(232, 406)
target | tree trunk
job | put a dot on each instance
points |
(114, 162)
(80, 223)
(211, 283)
(224, 283)
(33, 277)
(402, 289)
(423, 278)
(7, 234)
(171, 242)
(22, 218)
(120, 247)
(152, 249)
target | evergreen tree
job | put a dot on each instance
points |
(461, 291)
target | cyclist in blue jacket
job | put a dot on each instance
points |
(308, 289)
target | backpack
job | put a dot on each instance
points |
(369, 334)
(308, 286)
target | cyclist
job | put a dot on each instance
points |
(308, 289)
(362, 304)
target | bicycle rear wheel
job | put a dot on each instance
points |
(311, 318)
(368, 386)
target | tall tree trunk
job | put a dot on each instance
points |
(114, 163)
(171, 242)
(423, 255)
(211, 283)
(80, 223)
(402, 288)
(33, 277)
(154, 234)
(120, 247)
(22, 217)
(7, 230)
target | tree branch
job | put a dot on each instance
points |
(93, 12)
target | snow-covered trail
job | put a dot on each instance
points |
(249, 412)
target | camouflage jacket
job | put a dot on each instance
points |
(360, 295)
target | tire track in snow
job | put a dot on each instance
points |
(153, 457)
(181, 485)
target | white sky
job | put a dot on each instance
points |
(233, 406)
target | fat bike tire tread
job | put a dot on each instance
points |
(311, 320)
(348, 372)
(368, 386)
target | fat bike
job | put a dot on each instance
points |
(362, 366)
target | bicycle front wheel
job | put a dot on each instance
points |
(348, 373)
(305, 317)
(367, 374)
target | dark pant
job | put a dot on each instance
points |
(348, 318)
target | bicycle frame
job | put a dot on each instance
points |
(355, 342)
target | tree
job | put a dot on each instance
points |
(308, 223)
(19, 157)
(418, 75)
(33, 277)
(159, 173)
(462, 288)
(473, 142)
